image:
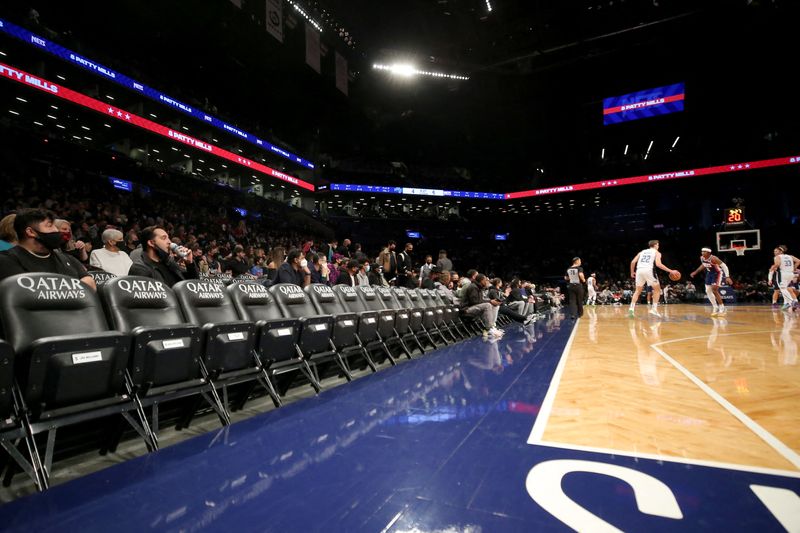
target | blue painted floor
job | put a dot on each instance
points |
(435, 444)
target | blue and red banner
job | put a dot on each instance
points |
(644, 104)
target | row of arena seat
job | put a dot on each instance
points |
(72, 355)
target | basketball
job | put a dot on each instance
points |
(674, 275)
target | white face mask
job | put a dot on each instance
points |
(366, 268)
(303, 263)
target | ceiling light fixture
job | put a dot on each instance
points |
(406, 70)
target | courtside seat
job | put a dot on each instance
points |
(69, 366)
(440, 326)
(316, 329)
(415, 301)
(278, 336)
(451, 312)
(414, 316)
(167, 352)
(370, 300)
(228, 341)
(348, 326)
(388, 301)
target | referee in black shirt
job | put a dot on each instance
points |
(575, 281)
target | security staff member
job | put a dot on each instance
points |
(575, 281)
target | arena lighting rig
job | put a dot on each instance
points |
(108, 74)
(406, 70)
(119, 114)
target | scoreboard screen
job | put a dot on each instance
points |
(734, 215)
(644, 104)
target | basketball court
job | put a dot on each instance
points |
(681, 423)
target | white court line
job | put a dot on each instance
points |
(788, 454)
(671, 459)
(547, 405)
(539, 426)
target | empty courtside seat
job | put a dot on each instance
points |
(69, 366)
(414, 316)
(347, 326)
(65, 354)
(415, 302)
(278, 336)
(229, 342)
(166, 350)
(315, 331)
(368, 320)
(439, 326)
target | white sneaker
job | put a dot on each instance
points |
(654, 313)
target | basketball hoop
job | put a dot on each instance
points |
(738, 248)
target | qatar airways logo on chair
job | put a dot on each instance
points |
(368, 291)
(253, 290)
(324, 291)
(206, 291)
(349, 292)
(293, 292)
(143, 290)
(53, 288)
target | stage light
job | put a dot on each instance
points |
(13, 112)
(676, 141)
(22, 99)
(626, 150)
(489, 5)
(603, 153)
(649, 147)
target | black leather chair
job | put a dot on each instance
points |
(166, 357)
(6, 382)
(229, 355)
(401, 318)
(414, 317)
(70, 368)
(415, 302)
(452, 313)
(370, 300)
(347, 326)
(441, 313)
(277, 336)
(315, 329)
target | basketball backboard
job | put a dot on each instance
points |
(743, 240)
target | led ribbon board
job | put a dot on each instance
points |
(121, 115)
(129, 83)
(706, 171)
(644, 104)
(409, 191)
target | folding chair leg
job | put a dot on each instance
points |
(403, 344)
(19, 460)
(33, 450)
(306, 370)
(366, 355)
(214, 401)
(266, 382)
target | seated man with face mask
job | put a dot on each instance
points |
(156, 262)
(109, 258)
(38, 249)
(295, 269)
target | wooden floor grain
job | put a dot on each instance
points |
(618, 392)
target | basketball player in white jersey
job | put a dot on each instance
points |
(715, 273)
(783, 269)
(591, 286)
(642, 271)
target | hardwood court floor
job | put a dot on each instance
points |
(684, 387)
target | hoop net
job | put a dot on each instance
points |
(738, 248)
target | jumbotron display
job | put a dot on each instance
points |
(644, 104)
